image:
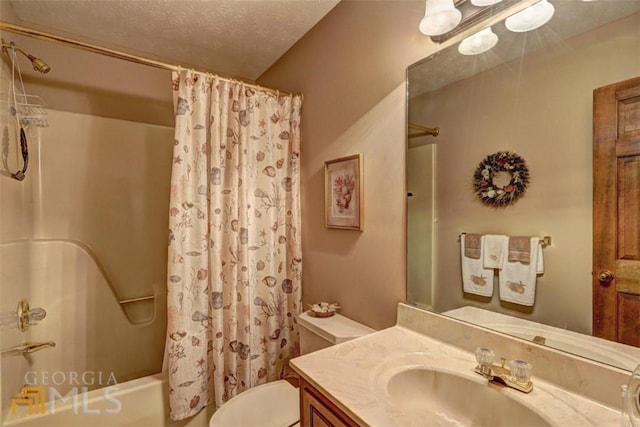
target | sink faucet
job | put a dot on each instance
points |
(517, 375)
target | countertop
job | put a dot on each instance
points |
(354, 375)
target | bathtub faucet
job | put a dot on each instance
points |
(517, 375)
(27, 348)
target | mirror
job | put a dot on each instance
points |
(531, 94)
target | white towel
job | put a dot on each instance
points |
(494, 250)
(475, 279)
(518, 280)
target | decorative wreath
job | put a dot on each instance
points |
(502, 161)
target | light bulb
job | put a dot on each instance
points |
(483, 3)
(440, 17)
(533, 17)
(478, 43)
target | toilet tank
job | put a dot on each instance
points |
(320, 332)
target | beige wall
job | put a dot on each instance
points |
(540, 108)
(351, 69)
(88, 83)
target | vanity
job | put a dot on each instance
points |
(421, 372)
(316, 409)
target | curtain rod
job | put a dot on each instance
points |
(17, 29)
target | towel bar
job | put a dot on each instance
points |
(544, 241)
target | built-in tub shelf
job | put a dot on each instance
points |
(130, 300)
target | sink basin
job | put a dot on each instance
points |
(429, 397)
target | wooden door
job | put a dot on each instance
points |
(616, 212)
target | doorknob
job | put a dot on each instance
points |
(605, 276)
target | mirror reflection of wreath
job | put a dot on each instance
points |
(503, 161)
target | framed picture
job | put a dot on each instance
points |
(343, 193)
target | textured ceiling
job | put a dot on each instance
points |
(236, 37)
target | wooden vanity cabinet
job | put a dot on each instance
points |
(318, 411)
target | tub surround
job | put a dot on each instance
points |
(64, 279)
(567, 390)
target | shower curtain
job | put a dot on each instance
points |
(234, 267)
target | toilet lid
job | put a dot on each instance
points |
(274, 404)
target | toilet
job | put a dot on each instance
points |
(277, 404)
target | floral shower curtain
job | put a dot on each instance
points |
(234, 267)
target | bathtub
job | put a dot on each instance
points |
(138, 403)
(594, 348)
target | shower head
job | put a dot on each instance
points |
(38, 64)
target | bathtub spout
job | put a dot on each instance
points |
(27, 348)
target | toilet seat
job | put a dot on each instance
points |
(275, 404)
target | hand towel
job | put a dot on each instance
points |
(518, 279)
(520, 249)
(472, 243)
(494, 250)
(475, 279)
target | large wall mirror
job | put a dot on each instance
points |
(531, 94)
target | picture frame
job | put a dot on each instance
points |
(343, 193)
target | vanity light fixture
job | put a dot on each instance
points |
(483, 3)
(475, 17)
(531, 18)
(440, 17)
(478, 43)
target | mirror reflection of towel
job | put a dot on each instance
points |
(520, 249)
(472, 244)
(475, 279)
(518, 279)
(494, 250)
